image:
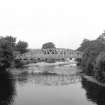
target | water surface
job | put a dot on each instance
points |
(39, 89)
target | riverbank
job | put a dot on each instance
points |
(92, 79)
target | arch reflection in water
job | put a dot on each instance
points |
(7, 89)
(94, 92)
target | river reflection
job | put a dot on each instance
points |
(94, 92)
(49, 89)
(7, 89)
(48, 79)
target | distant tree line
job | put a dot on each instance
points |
(93, 59)
(9, 48)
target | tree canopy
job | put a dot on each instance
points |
(84, 45)
(90, 55)
(21, 46)
(8, 46)
(6, 52)
(48, 45)
(93, 59)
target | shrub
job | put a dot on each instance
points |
(90, 55)
(100, 67)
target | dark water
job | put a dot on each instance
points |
(49, 90)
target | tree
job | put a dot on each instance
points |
(21, 46)
(90, 54)
(84, 45)
(48, 45)
(9, 49)
(11, 41)
(6, 53)
(100, 67)
(102, 37)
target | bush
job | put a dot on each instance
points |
(100, 67)
(48, 45)
(21, 46)
(78, 60)
(18, 64)
(90, 55)
(8, 51)
(93, 59)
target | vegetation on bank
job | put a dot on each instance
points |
(9, 48)
(93, 59)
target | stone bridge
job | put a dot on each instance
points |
(44, 54)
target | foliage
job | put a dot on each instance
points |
(78, 60)
(18, 63)
(48, 45)
(84, 45)
(21, 46)
(8, 50)
(12, 41)
(90, 54)
(6, 53)
(100, 65)
(102, 37)
(93, 59)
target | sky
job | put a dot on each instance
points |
(64, 22)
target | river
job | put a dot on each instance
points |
(50, 89)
